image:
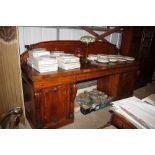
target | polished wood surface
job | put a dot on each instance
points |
(49, 97)
(131, 40)
(121, 122)
(88, 71)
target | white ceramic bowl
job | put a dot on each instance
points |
(121, 60)
(112, 59)
(103, 60)
(129, 58)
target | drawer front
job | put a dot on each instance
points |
(121, 122)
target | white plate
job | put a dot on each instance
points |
(103, 60)
(112, 59)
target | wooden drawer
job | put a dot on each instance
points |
(120, 122)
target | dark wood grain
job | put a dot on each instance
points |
(109, 84)
(121, 122)
(138, 42)
(110, 32)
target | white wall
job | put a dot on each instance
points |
(30, 35)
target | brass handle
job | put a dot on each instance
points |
(55, 89)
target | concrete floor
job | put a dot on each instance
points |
(145, 91)
(93, 120)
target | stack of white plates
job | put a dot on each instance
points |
(121, 60)
(92, 57)
(102, 58)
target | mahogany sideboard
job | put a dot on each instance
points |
(49, 97)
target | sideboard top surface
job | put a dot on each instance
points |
(87, 71)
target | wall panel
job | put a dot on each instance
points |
(30, 35)
(49, 34)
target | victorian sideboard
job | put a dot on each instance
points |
(49, 97)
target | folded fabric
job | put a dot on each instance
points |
(68, 59)
(68, 66)
(43, 60)
(47, 69)
(38, 52)
(42, 64)
(140, 111)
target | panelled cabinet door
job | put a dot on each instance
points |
(145, 57)
(126, 84)
(56, 106)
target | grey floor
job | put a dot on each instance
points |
(145, 91)
(92, 120)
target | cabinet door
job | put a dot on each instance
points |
(131, 39)
(109, 85)
(145, 57)
(126, 84)
(57, 106)
(119, 85)
(137, 42)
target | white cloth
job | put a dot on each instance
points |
(133, 108)
(43, 64)
(38, 52)
(69, 65)
(68, 59)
